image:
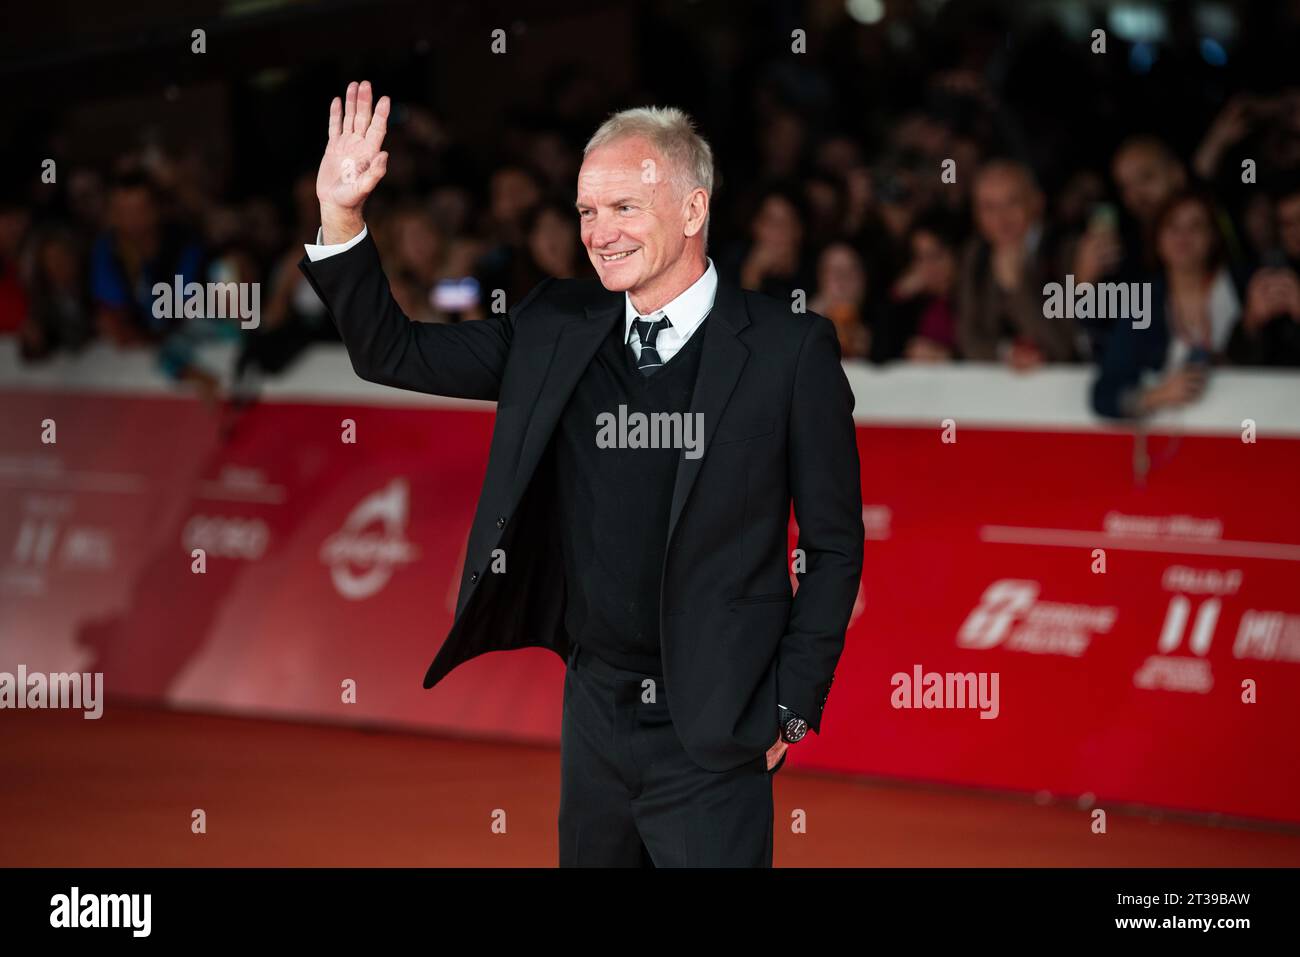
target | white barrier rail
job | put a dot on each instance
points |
(1054, 398)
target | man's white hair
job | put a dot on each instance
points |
(672, 132)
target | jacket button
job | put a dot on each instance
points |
(473, 578)
(501, 522)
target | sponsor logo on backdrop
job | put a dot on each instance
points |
(371, 545)
(1180, 527)
(1268, 636)
(48, 541)
(224, 536)
(1011, 615)
(1180, 662)
(242, 483)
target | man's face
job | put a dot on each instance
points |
(134, 214)
(1146, 179)
(633, 223)
(1005, 207)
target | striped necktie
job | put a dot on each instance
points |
(649, 362)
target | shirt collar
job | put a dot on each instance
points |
(685, 312)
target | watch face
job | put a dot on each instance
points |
(795, 729)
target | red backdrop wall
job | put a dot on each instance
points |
(329, 561)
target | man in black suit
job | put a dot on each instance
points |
(651, 558)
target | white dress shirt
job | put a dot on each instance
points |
(684, 314)
(319, 250)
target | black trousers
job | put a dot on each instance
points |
(629, 794)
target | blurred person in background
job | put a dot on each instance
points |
(412, 245)
(857, 200)
(825, 200)
(1084, 218)
(774, 261)
(837, 154)
(1119, 245)
(262, 231)
(1287, 219)
(919, 323)
(782, 138)
(1266, 131)
(513, 190)
(877, 205)
(179, 350)
(897, 199)
(452, 206)
(1147, 174)
(1269, 331)
(1114, 248)
(86, 199)
(1004, 268)
(554, 158)
(842, 297)
(15, 220)
(1201, 296)
(61, 316)
(552, 246)
(293, 317)
(137, 250)
(1194, 307)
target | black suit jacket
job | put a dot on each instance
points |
(778, 426)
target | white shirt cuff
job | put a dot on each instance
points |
(317, 250)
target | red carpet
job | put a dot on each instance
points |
(120, 791)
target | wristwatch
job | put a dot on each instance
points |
(793, 727)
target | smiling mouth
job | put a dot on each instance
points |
(615, 257)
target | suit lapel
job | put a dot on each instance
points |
(721, 361)
(575, 344)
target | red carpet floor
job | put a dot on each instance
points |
(120, 792)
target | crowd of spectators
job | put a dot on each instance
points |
(926, 232)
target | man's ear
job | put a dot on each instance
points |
(697, 210)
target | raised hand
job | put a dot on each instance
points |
(353, 163)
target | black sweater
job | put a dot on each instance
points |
(614, 502)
